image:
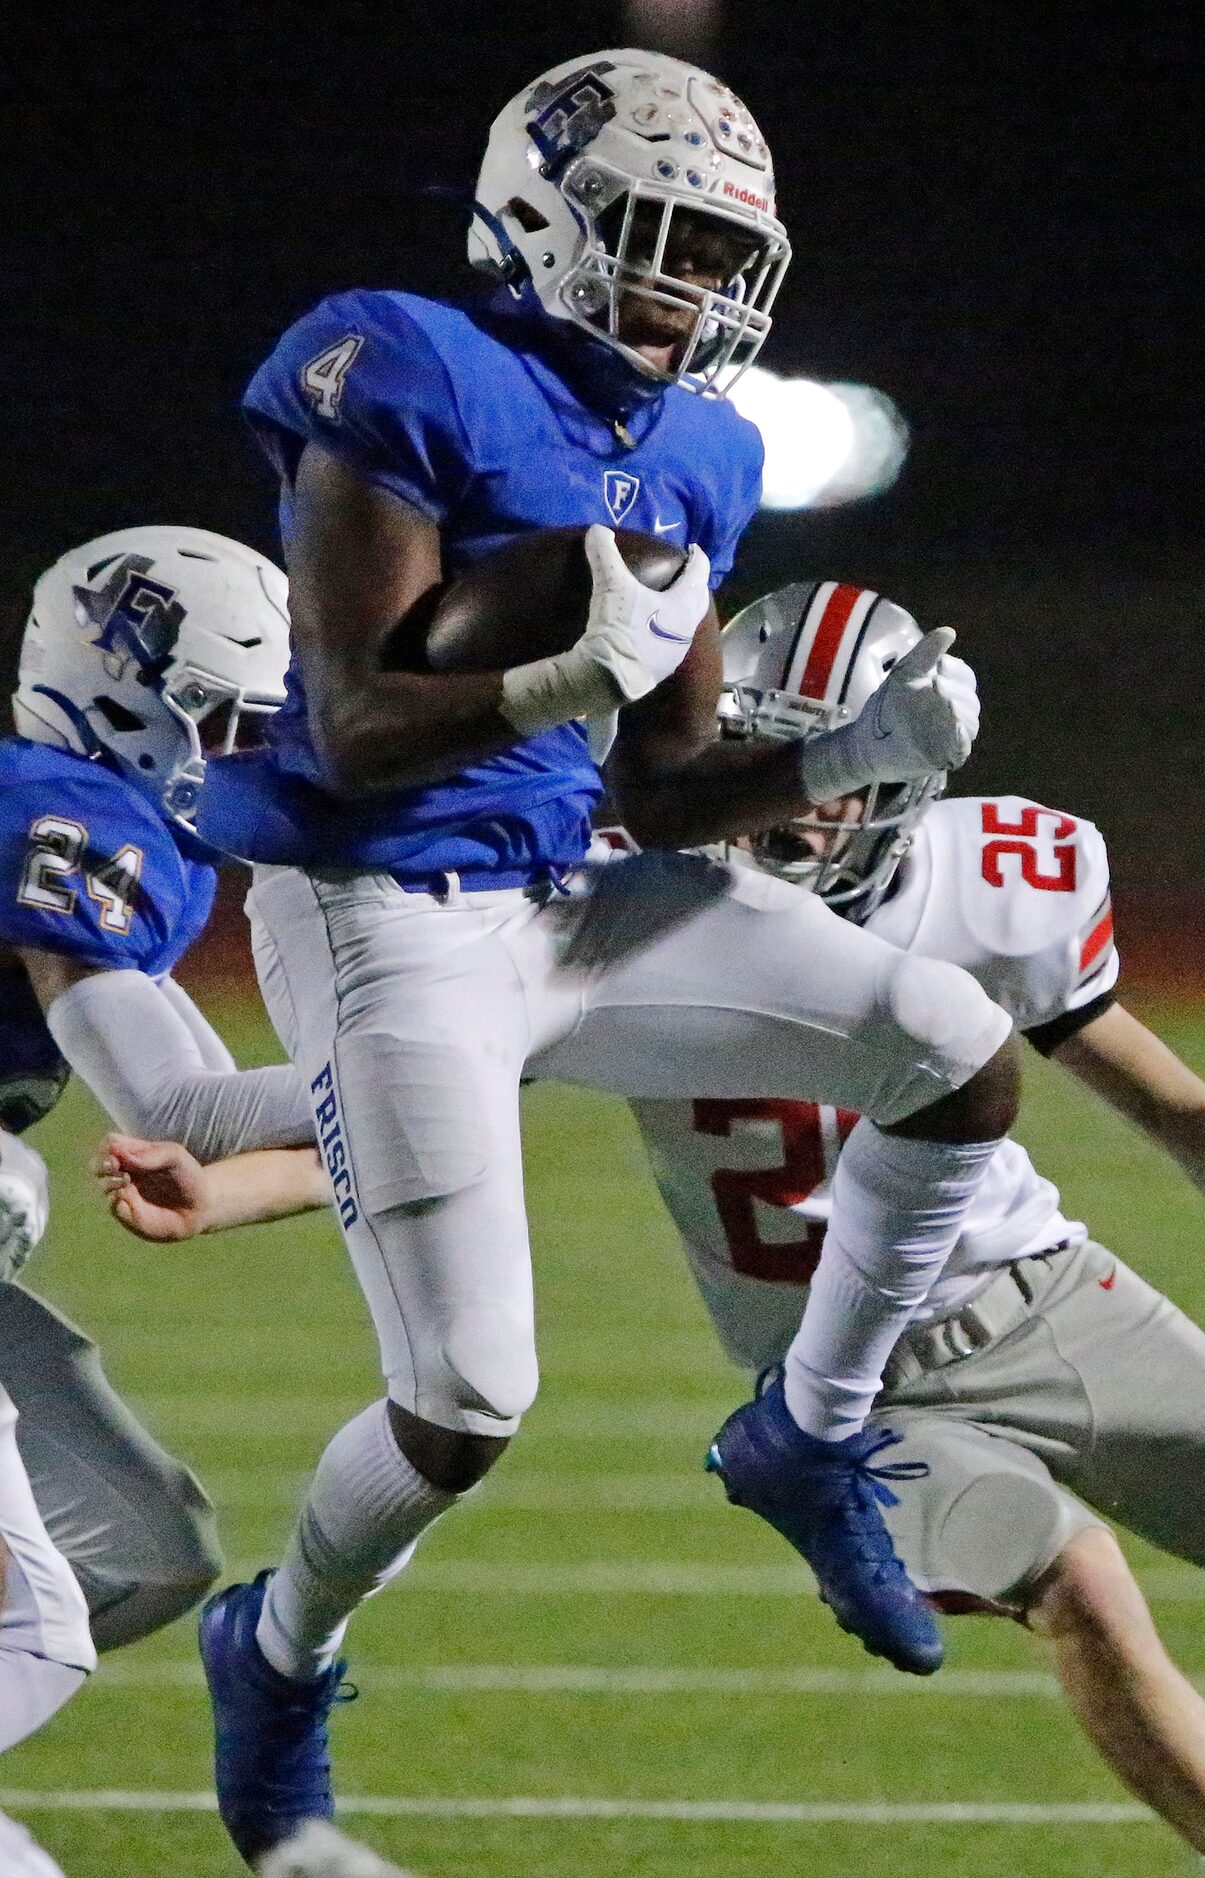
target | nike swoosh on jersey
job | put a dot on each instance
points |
(663, 528)
(877, 724)
(659, 632)
(1107, 1284)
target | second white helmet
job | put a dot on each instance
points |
(137, 641)
(803, 660)
(584, 173)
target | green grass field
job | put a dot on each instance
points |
(597, 1664)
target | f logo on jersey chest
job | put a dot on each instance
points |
(619, 492)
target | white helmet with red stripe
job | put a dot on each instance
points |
(803, 660)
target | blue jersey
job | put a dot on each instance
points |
(88, 869)
(463, 416)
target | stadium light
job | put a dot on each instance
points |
(825, 444)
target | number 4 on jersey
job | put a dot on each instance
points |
(323, 377)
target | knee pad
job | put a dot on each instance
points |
(144, 1579)
(943, 1008)
(946, 1023)
(484, 1377)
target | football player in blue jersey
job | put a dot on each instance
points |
(424, 932)
(145, 651)
(141, 648)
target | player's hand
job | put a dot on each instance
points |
(636, 635)
(925, 714)
(24, 1202)
(156, 1189)
(923, 719)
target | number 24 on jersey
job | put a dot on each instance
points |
(58, 854)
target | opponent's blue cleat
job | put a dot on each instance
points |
(824, 1498)
(272, 1764)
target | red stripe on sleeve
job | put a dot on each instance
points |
(1097, 940)
(825, 646)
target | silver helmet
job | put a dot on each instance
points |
(136, 642)
(803, 660)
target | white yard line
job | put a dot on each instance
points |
(698, 1812)
(674, 1418)
(645, 1578)
(479, 1578)
(634, 1679)
(683, 1491)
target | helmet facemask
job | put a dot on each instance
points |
(633, 238)
(857, 858)
(209, 715)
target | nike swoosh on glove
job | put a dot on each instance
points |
(636, 635)
(923, 719)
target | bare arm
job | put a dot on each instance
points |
(359, 560)
(1139, 1076)
(159, 1192)
(676, 784)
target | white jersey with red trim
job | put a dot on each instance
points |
(1018, 895)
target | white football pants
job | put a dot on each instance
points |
(413, 1018)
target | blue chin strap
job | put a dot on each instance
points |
(601, 377)
(512, 269)
(93, 746)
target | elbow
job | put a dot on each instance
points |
(653, 823)
(348, 755)
(356, 742)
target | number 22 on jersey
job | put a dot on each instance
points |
(57, 847)
(811, 1139)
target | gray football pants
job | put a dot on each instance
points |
(1094, 1400)
(133, 1523)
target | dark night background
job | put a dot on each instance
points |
(992, 222)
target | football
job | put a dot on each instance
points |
(527, 601)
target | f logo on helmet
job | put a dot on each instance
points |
(139, 618)
(619, 493)
(570, 114)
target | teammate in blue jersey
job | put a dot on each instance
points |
(425, 934)
(142, 648)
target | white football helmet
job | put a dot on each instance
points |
(804, 660)
(139, 638)
(570, 165)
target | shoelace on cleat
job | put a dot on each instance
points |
(875, 1478)
(864, 1490)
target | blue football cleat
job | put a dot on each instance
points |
(824, 1498)
(271, 1760)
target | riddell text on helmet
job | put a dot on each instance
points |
(747, 195)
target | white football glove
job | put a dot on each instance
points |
(635, 634)
(634, 639)
(923, 718)
(24, 1203)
